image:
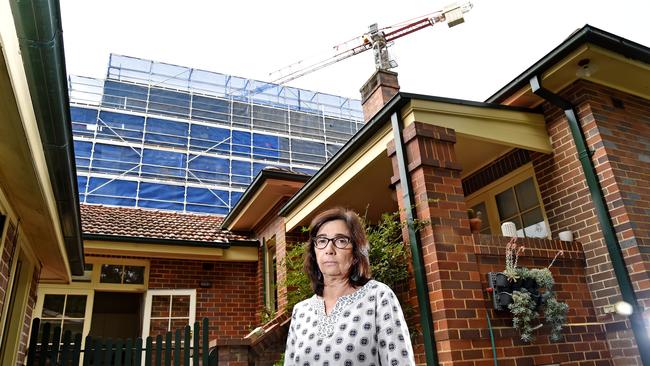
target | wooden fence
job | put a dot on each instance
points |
(174, 348)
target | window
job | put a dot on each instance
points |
(514, 198)
(124, 274)
(68, 309)
(64, 311)
(113, 274)
(167, 310)
(520, 204)
(270, 276)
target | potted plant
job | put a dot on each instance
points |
(528, 292)
(475, 220)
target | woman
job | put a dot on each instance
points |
(351, 319)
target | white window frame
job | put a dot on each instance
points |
(146, 322)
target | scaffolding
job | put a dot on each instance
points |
(175, 138)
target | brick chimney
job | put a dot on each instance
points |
(377, 91)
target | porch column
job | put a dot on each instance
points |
(449, 262)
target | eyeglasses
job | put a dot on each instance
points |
(340, 242)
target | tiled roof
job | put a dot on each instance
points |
(154, 224)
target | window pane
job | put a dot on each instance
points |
(179, 324)
(53, 306)
(506, 204)
(111, 274)
(73, 325)
(526, 194)
(160, 306)
(53, 324)
(75, 306)
(181, 306)
(158, 327)
(134, 274)
(534, 224)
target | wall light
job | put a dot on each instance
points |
(623, 308)
(586, 68)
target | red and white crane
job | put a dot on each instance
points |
(378, 40)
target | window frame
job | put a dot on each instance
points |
(97, 263)
(270, 275)
(488, 193)
(88, 311)
(146, 318)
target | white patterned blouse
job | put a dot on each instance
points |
(366, 327)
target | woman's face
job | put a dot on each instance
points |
(334, 262)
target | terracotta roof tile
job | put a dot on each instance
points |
(154, 224)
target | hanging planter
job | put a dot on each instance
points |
(519, 290)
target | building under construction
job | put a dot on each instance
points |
(170, 137)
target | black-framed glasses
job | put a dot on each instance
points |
(340, 242)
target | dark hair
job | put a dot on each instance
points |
(359, 273)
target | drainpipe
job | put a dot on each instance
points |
(604, 218)
(426, 321)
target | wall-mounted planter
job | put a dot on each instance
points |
(502, 289)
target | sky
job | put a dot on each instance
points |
(498, 41)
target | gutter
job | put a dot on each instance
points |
(38, 26)
(604, 218)
(180, 242)
(586, 34)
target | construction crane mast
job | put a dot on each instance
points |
(377, 40)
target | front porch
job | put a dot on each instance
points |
(459, 155)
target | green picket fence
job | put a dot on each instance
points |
(173, 348)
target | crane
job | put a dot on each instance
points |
(377, 40)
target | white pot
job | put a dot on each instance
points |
(509, 229)
(566, 235)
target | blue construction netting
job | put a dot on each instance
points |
(175, 138)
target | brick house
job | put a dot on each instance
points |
(564, 146)
(140, 263)
(517, 157)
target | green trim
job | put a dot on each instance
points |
(187, 243)
(587, 34)
(263, 175)
(494, 347)
(426, 320)
(254, 243)
(38, 25)
(604, 218)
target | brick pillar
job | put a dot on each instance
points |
(452, 275)
(377, 91)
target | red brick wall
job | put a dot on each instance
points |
(230, 303)
(27, 323)
(620, 141)
(584, 339)
(456, 264)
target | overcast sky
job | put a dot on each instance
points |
(497, 42)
